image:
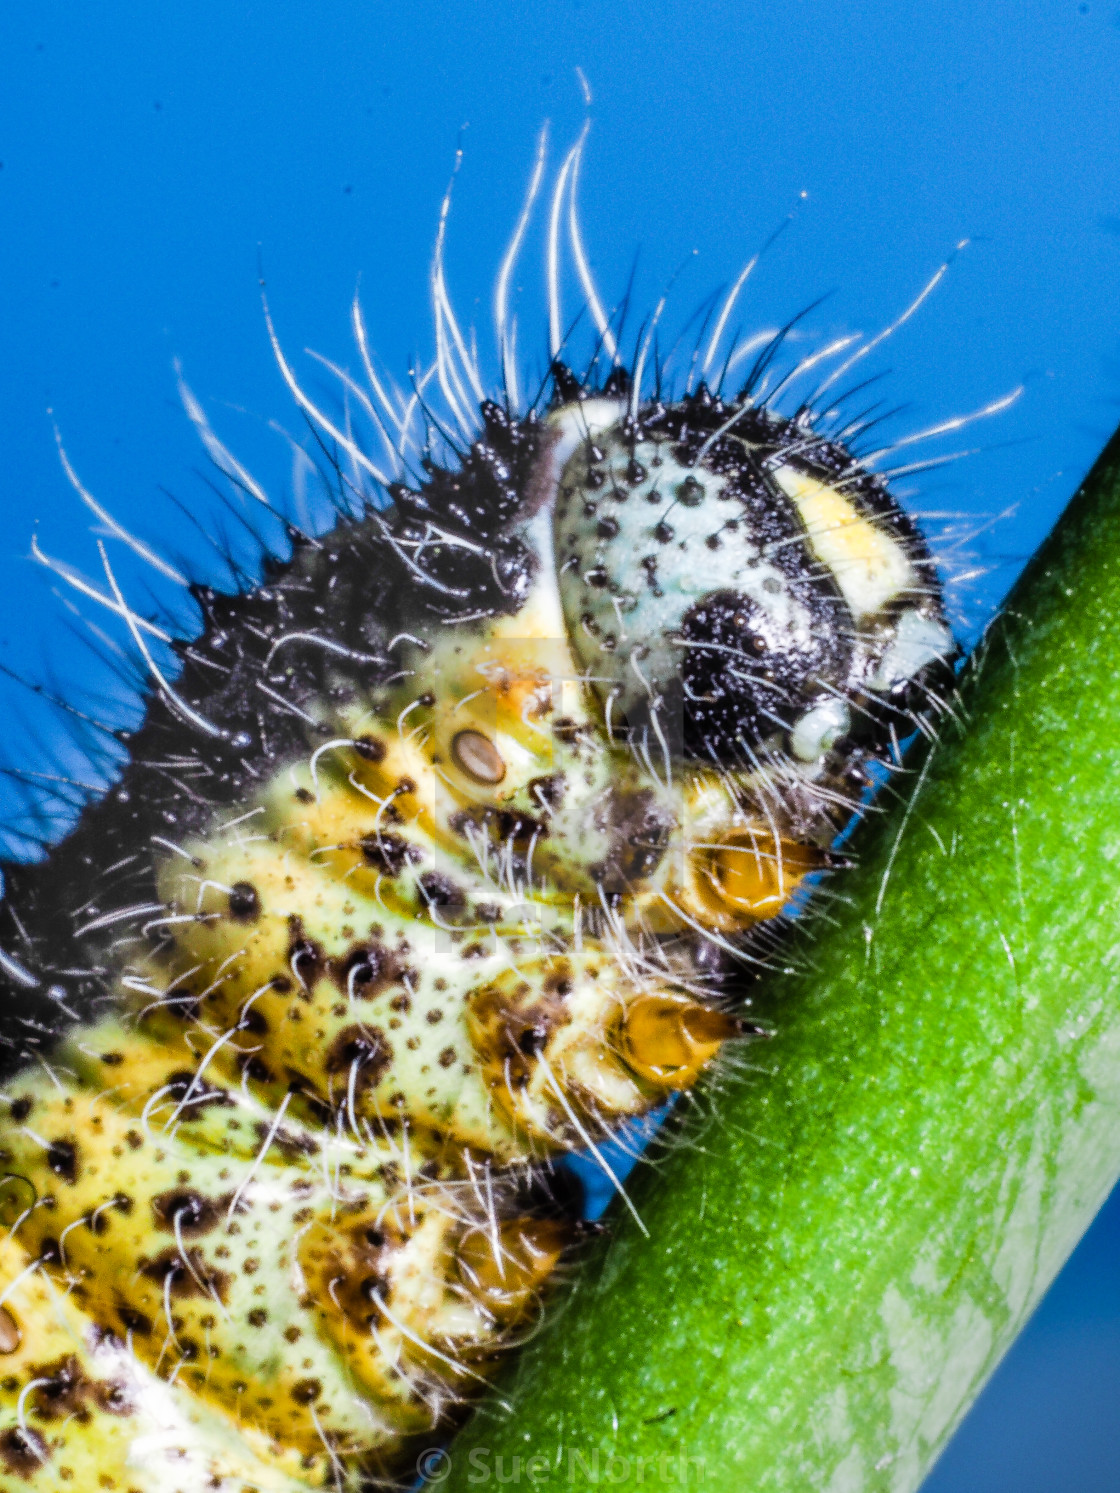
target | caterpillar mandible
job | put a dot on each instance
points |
(451, 847)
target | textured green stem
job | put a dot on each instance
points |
(837, 1263)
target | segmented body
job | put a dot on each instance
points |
(448, 851)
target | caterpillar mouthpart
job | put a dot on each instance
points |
(454, 845)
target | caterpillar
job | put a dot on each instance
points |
(451, 846)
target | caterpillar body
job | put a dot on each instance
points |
(451, 847)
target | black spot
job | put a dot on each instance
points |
(253, 1020)
(256, 1069)
(374, 1287)
(607, 528)
(181, 1279)
(746, 676)
(194, 1212)
(366, 970)
(21, 1108)
(306, 1391)
(533, 1040)
(663, 532)
(548, 790)
(17, 1195)
(440, 891)
(63, 1160)
(567, 730)
(184, 1082)
(135, 1322)
(97, 1223)
(513, 825)
(363, 1048)
(63, 1391)
(370, 748)
(23, 1451)
(304, 954)
(244, 902)
(182, 1004)
(389, 853)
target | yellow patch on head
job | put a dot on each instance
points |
(871, 568)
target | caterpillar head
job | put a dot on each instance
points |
(736, 585)
(735, 588)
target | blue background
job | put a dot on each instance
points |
(156, 158)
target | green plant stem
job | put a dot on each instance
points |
(837, 1262)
